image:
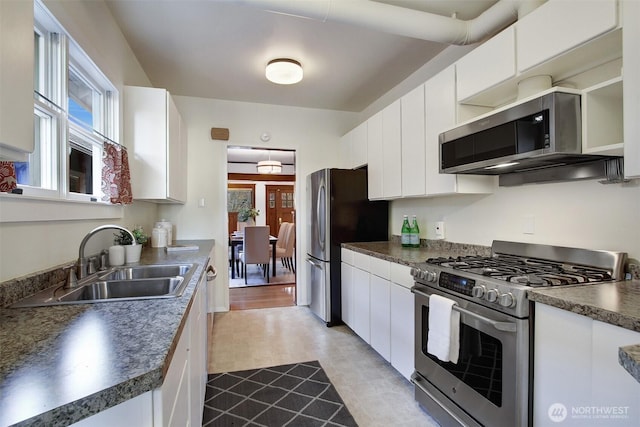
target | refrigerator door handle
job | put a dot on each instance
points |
(320, 214)
(314, 262)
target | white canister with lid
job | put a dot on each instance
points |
(168, 226)
(116, 255)
(159, 237)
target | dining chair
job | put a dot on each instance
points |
(285, 252)
(282, 235)
(255, 249)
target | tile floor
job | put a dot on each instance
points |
(375, 393)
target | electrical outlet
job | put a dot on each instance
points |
(439, 230)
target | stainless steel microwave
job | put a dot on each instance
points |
(539, 133)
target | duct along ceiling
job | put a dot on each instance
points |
(352, 51)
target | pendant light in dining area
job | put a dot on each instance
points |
(269, 166)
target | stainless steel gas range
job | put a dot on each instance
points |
(490, 385)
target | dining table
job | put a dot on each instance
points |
(236, 239)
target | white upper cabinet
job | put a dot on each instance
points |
(16, 80)
(374, 156)
(560, 39)
(359, 149)
(559, 26)
(346, 143)
(413, 143)
(392, 151)
(354, 147)
(156, 139)
(440, 110)
(489, 64)
(631, 89)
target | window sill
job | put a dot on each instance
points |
(21, 208)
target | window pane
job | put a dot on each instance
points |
(38, 71)
(81, 100)
(80, 170)
(40, 170)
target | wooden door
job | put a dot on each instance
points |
(279, 207)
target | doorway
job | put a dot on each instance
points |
(272, 195)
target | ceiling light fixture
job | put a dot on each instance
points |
(269, 166)
(284, 71)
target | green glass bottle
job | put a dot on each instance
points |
(405, 237)
(415, 233)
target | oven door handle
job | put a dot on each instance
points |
(501, 326)
(416, 380)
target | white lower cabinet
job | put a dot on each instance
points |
(377, 304)
(180, 399)
(346, 290)
(380, 316)
(576, 370)
(361, 307)
(198, 353)
(402, 320)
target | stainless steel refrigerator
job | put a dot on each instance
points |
(338, 212)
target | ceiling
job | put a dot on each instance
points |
(219, 48)
(243, 160)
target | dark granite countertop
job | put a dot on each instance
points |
(629, 358)
(616, 303)
(60, 364)
(394, 252)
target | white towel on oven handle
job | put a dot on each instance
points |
(443, 339)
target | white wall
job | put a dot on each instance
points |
(314, 134)
(26, 247)
(584, 214)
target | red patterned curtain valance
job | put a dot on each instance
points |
(116, 179)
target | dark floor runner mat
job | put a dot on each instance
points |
(299, 394)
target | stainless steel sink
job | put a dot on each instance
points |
(139, 288)
(145, 272)
(119, 284)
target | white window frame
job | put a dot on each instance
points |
(58, 52)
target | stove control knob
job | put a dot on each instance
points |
(430, 276)
(415, 272)
(478, 291)
(492, 295)
(507, 300)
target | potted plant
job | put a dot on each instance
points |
(123, 238)
(248, 215)
(132, 252)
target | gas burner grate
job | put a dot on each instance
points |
(524, 271)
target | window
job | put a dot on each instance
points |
(75, 110)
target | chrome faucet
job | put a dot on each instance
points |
(82, 261)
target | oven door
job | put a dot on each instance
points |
(490, 382)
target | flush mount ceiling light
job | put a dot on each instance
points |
(284, 71)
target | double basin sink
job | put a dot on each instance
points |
(119, 284)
